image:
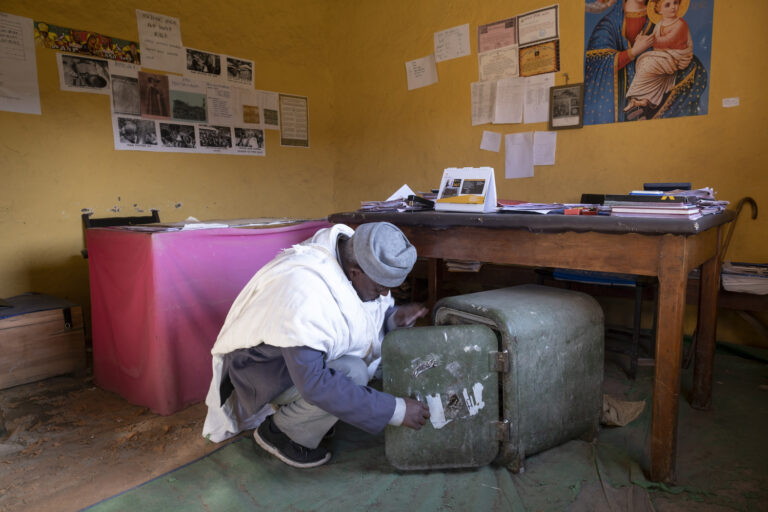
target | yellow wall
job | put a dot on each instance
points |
(368, 133)
(410, 136)
(56, 164)
(390, 136)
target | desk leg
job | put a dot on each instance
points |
(669, 347)
(706, 332)
(434, 275)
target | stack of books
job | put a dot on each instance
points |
(654, 206)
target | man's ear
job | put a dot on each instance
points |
(355, 272)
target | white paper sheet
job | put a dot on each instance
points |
(135, 133)
(270, 109)
(249, 141)
(160, 41)
(191, 226)
(205, 65)
(214, 139)
(537, 97)
(117, 67)
(401, 193)
(185, 83)
(239, 71)
(497, 64)
(188, 99)
(491, 141)
(421, 72)
(139, 134)
(519, 155)
(248, 109)
(19, 91)
(452, 43)
(155, 95)
(220, 104)
(83, 74)
(510, 95)
(177, 137)
(483, 102)
(544, 145)
(125, 88)
(294, 121)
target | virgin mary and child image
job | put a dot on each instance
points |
(641, 63)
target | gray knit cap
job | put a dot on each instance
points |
(383, 252)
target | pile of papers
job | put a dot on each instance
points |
(402, 204)
(542, 208)
(403, 200)
(191, 223)
(704, 199)
(745, 277)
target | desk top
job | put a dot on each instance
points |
(537, 223)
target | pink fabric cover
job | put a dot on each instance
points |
(158, 301)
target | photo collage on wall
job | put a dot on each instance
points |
(210, 106)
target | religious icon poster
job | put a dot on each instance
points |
(646, 59)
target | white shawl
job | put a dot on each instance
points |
(301, 298)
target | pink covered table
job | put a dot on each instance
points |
(159, 299)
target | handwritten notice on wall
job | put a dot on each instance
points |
(421, 72)
(160, 40)
(18, 67)
(452, 43)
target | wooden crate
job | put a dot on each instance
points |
(40, 344)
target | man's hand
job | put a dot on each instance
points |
(407, 314)
(416, 414)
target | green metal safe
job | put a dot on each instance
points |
(506, 373)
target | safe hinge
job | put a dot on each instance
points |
(499, 361)
(500, 430)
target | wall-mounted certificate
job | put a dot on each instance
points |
(499, 34)
(498, 63)
(539, 25)
(540, 58)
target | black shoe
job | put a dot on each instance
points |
(269, 437)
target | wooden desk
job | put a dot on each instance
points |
(667, 249)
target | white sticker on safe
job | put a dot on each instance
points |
(474, 403)
(436, 413)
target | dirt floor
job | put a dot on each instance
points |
(68, 444)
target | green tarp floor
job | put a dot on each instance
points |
(722, 466)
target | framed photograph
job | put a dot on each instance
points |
(566, 106)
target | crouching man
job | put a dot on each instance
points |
(303, 338)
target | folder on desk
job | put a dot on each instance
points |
(467, 189)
